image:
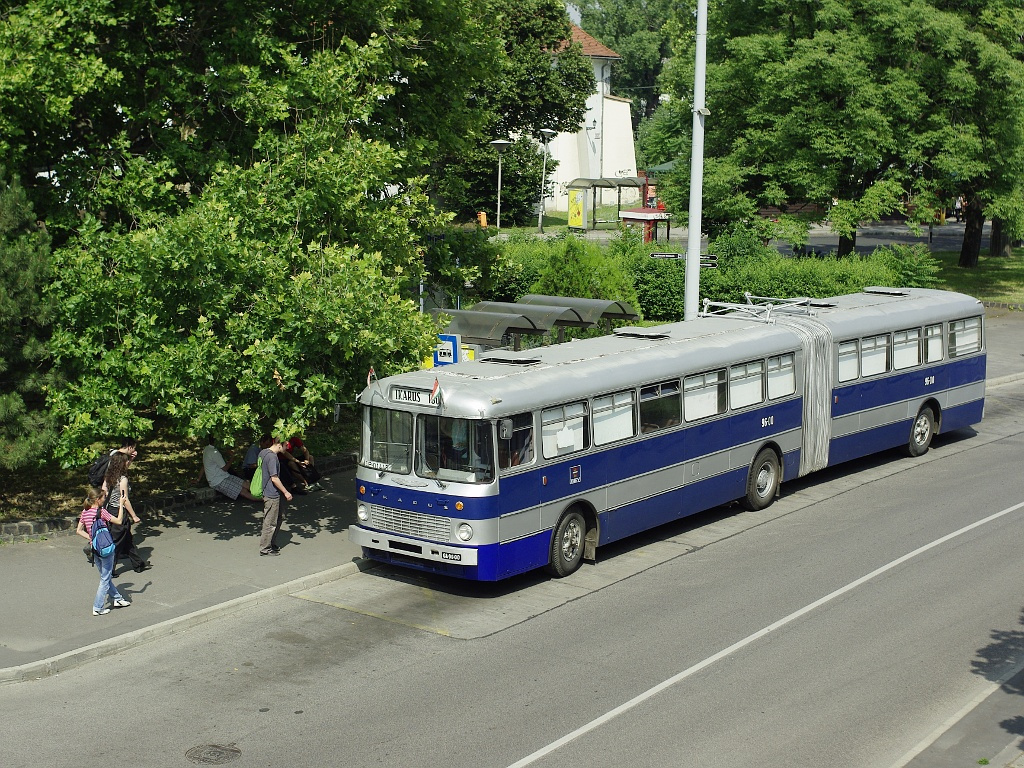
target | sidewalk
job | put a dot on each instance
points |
(206, 563)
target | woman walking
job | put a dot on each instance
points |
(94, 506)
(118, 489)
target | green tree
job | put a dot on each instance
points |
(857, 106)
(541, 80)
(636, 30)
(250, 307)
(130, 107)
(25, 429)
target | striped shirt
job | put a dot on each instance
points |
(89, 517)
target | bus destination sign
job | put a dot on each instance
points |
(415, 396)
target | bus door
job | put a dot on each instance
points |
(518, 486)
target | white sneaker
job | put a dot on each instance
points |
(100, 612)
(121, 603)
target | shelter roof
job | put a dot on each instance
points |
(608, 182)
(488, 327)
(546, 316)
(591, 310)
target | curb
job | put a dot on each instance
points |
(54, 665)
(190, 498)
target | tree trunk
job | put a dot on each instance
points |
(971, 248)
(846, 245)
(999, 241)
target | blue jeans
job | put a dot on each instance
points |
(106, 566)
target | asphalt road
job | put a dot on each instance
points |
(845, 625)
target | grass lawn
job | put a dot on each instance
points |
(558, 221)
(996, 279)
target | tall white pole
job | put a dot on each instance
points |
(691, 292)
(543, 179)
(499, 189)
(500, 145)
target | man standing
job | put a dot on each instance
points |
(273, 489)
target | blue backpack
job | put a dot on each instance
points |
(102, 542)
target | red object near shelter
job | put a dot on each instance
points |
(648, 218)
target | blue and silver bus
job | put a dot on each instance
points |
(522, 460)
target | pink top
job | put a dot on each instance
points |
(89, 517)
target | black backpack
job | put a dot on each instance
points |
(99, 469)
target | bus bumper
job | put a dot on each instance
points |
(412, 548)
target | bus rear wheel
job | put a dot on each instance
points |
(921, 433)
(763, 480)
(567, 544)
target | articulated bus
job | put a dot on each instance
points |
(522, 460)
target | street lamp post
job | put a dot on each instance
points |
(547, 134)
(500, 145)
(691, 280)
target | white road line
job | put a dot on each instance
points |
(651, 692)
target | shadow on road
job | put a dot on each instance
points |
(1005, 651)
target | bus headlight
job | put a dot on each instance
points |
(362, 512)
(465, 531)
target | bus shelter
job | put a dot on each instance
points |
(591, 310)
(489, 323)
(490, 329)
(578, 208)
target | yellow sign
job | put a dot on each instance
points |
(577, 206)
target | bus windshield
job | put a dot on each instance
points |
(455, 450)
(387, 440)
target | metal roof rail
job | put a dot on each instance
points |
(758, 307)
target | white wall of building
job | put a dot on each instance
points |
(602, 147)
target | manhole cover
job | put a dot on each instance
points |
(213, 754)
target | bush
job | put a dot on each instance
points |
(582, 269)
(519, 262)
(913, 266)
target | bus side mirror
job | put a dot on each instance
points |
(505, 429)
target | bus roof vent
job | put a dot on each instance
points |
(887, 291)
(641, 333)
(510, 360)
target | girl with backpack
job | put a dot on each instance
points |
(117, 486)
(86, 522)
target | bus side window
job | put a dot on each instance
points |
(933, 343)
(781, 376)
(614, 417)
(660, 406)
(964, 336)
(874, 355)
(746, 384)
(518, 450)
(906, 349)
(849, 360)
(564, 429)
(704, 395)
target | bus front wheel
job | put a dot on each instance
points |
(763, 480)
(921, 433)
(567, 544)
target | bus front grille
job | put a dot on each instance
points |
(415, 524)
